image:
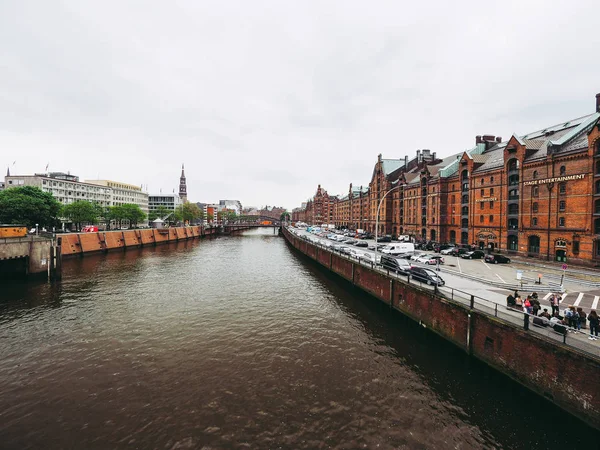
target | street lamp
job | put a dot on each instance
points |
(377, 216)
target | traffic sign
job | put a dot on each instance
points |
(564, 267)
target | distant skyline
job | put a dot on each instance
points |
(264, 100)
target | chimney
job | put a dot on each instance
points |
(597, 102)
(433, 156)
(488, 138)
(426, 153)
(478, 140)
(498, 139)
(418, 156)
(405, 161)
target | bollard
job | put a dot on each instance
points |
(525, 321)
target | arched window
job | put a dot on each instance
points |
(534, 207)
(464, 223)
(563, 170)
(597, 190)
(433, 235)
(491, 179)
(533, 244)
(464, 174)
(480, 219)
(513, 224)
(534, 191)
(535, 174)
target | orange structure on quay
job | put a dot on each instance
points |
(534, 195)
(79, 244)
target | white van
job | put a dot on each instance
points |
(399, 248)
(404, 238)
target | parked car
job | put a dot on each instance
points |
(447, 251)
(458, 251)
(425, 275)
(431, 259)
(361, 244)
(416, 256)
(379, 247)
(496, 259)
(384, 239)
(475, 254)
(370, 257)
(395, 264)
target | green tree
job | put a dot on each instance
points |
(284, 216)
(190, 212)
(29, 205)
(126, 211)
(79, 212)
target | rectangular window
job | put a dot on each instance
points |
(483, 192)
(562, 205)
(534, 221)
(491, 191)
(561, 221)
(481, 205)
(534, 207)
(491, 205)
(575, 247)
(562, 188)
(491, 218)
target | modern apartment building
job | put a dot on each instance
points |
(122, 193)
(170, 202)
(66, 188)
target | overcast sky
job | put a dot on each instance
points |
(263, 100)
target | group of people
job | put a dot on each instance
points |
(572, 318)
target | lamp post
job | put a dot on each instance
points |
(377, 217)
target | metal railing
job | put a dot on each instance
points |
(508, 315)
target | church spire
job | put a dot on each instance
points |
(182, 186)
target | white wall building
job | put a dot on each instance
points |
(169, 201)
(122, 193)
(64, 187)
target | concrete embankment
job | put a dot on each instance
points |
(77, 244)
(560, 373)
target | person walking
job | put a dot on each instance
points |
(593, 319)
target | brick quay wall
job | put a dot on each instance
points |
(562, 374)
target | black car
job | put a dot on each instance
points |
(361, 244)
(426, 276)
(497, 259)
(458, 251)
(395, 264)
(384, 239)
(475, 254)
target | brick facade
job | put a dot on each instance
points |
(534, 195)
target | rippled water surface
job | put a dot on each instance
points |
(239, 342)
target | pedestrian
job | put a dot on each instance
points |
(581, 316)
(572, 317)
(510, 301)
(545, 314)
(527, 305)
(535, 304)
(554, 303)
(593, 319)
(518, 301)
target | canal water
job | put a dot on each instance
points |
(240, 342)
